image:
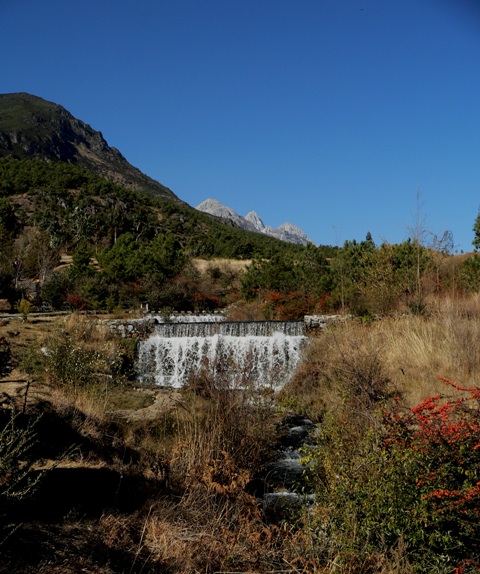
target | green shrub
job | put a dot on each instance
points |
(55, 290)
(70, 366)
(411, 480)
(24, 308)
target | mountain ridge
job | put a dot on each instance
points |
(31, 127)
(287, 232)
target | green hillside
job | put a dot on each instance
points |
(142, 243)
(31, 127)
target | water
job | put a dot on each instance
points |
(242, 329)
(279, 485)
(207, 318)
(262, 353)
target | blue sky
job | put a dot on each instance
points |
(335, 115)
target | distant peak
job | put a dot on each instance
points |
(207, 202)
(252, 221)
(214, 207)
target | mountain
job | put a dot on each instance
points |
(60, 175)
(287, 232)
(215, 208)
(33, 128)
(255, 220)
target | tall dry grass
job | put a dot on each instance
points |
(446, 343)
(213, 527)
(401, 355)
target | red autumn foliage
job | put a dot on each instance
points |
(442, 435)
(76, 302)
(291, 306)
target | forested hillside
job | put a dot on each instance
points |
(128, 248)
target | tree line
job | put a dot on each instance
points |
(126, 247)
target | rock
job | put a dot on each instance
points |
(286, 232)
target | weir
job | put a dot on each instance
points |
(210, 318)
(260, 353)
(230, 329)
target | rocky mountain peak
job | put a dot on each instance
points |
(252, 221)
(292, 233)
(254, 218)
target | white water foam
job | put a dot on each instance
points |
(265, 361)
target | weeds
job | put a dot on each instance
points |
(17, 481)
(395, 472)
(218, 418)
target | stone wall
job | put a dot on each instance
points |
(142, 328)
(131, 328)
(323, 321)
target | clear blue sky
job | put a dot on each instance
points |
(330, 114)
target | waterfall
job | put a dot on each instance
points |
(207, 318)
(263, 353)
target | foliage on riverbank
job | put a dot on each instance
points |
(396, 468)
(158, 481)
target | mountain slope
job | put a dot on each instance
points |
(31, 127)
(287, 232)
(60, 175)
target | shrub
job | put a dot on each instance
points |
(411, 480)
(17, 481)
(54, 290)
(441, 436)
(24, 308)
(343, 368)
(225, 416)
(70, 366)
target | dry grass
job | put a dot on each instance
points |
(214, 527)
(246, 311)
(403, 355)
(446, 343)
(224, 264)
(23, 334)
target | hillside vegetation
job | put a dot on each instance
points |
(143, 245)
(128, 248)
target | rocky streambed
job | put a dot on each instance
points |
(280, 484)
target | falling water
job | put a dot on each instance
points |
(207, 318)
(264, 353)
